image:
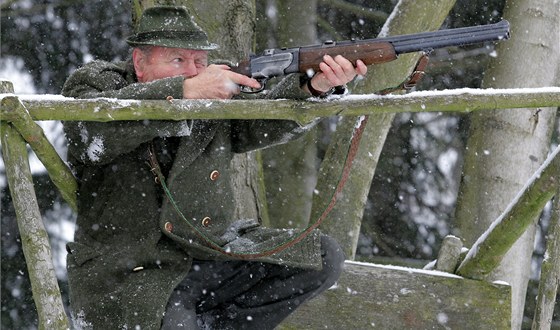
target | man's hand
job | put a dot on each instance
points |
(336, 71)
(216, 82)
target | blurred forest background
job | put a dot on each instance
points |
(413, 194)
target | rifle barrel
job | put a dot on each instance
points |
(409, 43)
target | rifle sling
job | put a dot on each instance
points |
(413, 78)
(352, 151)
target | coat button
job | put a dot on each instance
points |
(214, 175)
(206, 221)
(168, 227)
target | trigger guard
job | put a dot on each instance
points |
(249, 90)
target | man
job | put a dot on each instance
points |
(165, 252)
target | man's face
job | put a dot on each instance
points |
(162, 62)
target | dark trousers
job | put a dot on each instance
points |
(248, 295)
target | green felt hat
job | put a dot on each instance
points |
(169, 26)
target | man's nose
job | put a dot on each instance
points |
(189, 69)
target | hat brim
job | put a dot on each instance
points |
(172, 43)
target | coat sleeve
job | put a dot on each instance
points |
(250, 135)
(99, 143)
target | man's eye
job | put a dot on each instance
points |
(177, 60)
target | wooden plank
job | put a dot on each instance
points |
(371, 296)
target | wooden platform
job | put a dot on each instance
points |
(370, 296)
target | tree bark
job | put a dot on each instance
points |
(290, 170)
(506, 147)
(344, 221)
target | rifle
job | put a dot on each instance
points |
(306, 59)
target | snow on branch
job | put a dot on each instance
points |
(54, 107)
(489, 249)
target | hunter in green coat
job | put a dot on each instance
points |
(135, 246)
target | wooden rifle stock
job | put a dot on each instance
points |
(370, 53)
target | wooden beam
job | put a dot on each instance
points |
(550, 270)
(34, 238)
(449, 254)
(489, 249)
(55, 107)
(33, 134)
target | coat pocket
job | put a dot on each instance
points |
(237, 229)
(80, 253)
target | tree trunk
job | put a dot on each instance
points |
(231, 25)
(505, 147)
(344, 221)
(290, 170)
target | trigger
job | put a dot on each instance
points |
(250, 90)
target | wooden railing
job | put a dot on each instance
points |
(19, 113)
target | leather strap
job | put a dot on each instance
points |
(413, 78)
(337, 90)
(315, 92)
(351, 154)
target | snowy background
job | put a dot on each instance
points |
(415, 184)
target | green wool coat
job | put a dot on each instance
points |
(131, 247)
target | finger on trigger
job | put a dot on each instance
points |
(246, 81)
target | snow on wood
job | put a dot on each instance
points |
(55, 107)
(491, 246)
(370, 296)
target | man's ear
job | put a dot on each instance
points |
(138, 59)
